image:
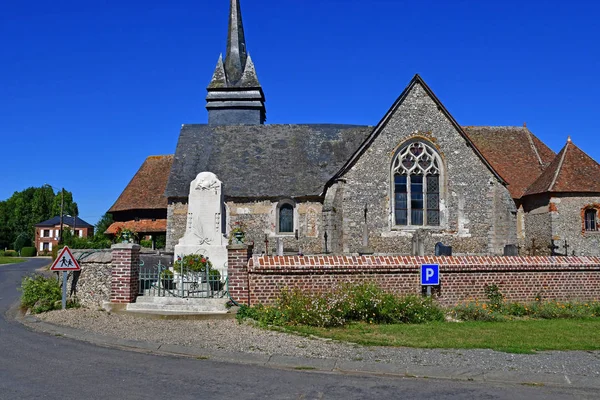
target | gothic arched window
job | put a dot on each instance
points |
(416, 192)
(285, 217)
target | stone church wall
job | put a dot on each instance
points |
(538, 226)
(260, 221)
(333, 218)
(568, 225)
(471, 217)
(176, 220)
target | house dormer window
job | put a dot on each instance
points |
(591, 220)
(416, 185)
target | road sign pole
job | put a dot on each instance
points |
(428, 291)
(64, 294)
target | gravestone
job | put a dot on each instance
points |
(203, 231)
(511, 250)
(442, 250)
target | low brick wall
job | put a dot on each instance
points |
(462, 278)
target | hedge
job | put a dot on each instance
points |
(28, 252)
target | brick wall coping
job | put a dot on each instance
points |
(372, 264)
(125, 246)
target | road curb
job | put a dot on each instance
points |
(330, 365)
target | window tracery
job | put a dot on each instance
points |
(416, 171)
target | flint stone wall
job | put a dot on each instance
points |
(176, 222)
(477, 213)
(567, 224)
(94, 284)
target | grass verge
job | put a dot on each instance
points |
(525, 336)
(11, 260)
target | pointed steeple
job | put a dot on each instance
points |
(235, 59)
(234, 92)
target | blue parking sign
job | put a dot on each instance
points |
(430, 274)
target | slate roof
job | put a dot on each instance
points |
(571, 171)
(263, 160)
(67, 220)
(514, 152)
(146, 189)
(142, 226)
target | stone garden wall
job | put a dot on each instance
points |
(93, 286)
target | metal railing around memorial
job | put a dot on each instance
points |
(161, 281)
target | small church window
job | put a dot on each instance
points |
(286, 218)
(591, 222)
(416, 172)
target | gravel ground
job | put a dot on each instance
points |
(229, 335)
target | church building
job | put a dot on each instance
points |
(348, 189)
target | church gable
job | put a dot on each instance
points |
(419, 170)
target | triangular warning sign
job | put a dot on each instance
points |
(65, 261)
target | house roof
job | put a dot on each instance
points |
(142, 226)
(516, 153)
(263, 160)
(416, 80)
(571, 171)
(67, 220)
(146, 189)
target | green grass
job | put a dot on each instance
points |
(526, 336)
(11, 260)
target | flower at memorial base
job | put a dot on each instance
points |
(193, 263)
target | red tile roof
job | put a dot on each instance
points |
(514, 152)
(142, 226)
(146, 189)
(571, 171)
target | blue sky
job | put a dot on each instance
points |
(89, 89)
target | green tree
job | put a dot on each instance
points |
(23, 210)
(69, 206)
(102, 225)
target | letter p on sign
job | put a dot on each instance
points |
(430, 274)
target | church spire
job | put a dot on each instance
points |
(235, 59)
(234, 92)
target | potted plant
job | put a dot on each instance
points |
(237, 233)
(166, 279)
(192, 263)
(125, 235)
(214, 280)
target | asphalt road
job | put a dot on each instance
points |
(36, 365)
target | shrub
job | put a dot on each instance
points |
(10, 253)
(55, 250)
(364, 302)
(192, 263)
(146, 243)
(161, 241)
(495, 297)
(28, 252)
(40, 293)
(476, 312)
(2, 253)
